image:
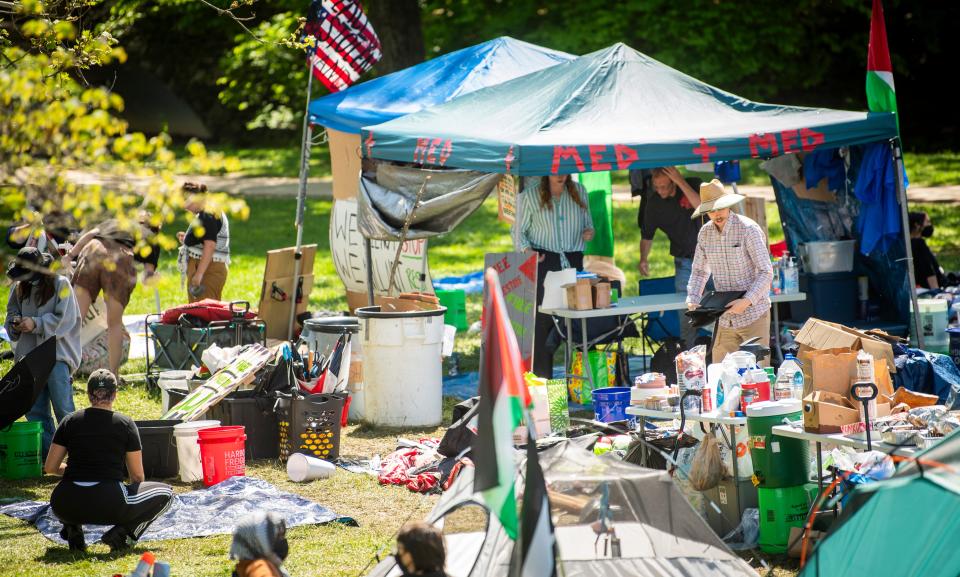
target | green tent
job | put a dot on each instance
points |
(907, 526)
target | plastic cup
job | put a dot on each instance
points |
(302, 468)
(161, 569)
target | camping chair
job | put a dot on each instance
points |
(659, 326)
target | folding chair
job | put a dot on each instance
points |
(659, 326)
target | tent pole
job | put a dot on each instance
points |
(368, 253)
(301, 202)
(902, 199)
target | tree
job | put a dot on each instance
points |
(399, 28)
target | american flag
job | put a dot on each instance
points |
(346, 45)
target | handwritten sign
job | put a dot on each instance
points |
(507, 199)
(518, 280)
(347, 247)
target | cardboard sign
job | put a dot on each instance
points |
(518, 280)
(278, 287)
(507, 199)
(347, 246)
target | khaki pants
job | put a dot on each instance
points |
(213, 279)
(728, 339)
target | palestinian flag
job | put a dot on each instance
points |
(535, 553)
(503, 398)
(881, 95)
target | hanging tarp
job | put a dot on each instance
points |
(430, 83)
(599, 187)
(447, 197)
(613, 109)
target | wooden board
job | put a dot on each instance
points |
(276, 313)
(755, 209)
(280, 262)
(345, 162)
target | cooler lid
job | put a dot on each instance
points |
(774, 408)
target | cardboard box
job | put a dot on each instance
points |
(822, 192)
(601, 295)
(579, 295)
(795, 541)
(818, 335)
(830, 370)
(826, 412)
(345, 163)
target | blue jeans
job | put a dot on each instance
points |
(683, 267)
(59, 392)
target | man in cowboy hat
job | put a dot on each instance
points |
(732, 249)
(669, 209)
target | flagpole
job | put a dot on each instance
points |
(902, 200)
(301, 200)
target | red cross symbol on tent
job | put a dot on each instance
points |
(369, 142)
(704, 150)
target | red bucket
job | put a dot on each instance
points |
(222, 453)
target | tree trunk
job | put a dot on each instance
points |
(398, 26)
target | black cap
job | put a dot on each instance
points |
(29, 258)
(101, 379)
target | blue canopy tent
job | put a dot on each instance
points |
(616, 109)
(431, 83)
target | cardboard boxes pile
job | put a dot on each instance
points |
(587, 294)
(828, 352)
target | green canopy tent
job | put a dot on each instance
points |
(906, 526)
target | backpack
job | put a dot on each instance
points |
(664, 360)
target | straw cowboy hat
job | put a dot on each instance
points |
(714, 196)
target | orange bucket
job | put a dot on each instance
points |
(222, 453)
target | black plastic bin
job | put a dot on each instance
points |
(310, 425)
(159, 448)
(256, 414)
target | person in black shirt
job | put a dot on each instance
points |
(205, 253)
(100, 443)
(670, 209)
(926, 269)
(106, 260)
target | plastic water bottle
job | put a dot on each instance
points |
(791, 277)
(789, 383)
(144, 566)
(777, 285)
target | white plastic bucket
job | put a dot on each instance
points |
(933, 323)
(302, 468)
(402, 367)
(173, 379)
(188, 450)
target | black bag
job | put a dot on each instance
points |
(712, 306)
(463, 431)
(664, 360)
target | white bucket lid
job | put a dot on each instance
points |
(188, 429)
(774, 408)
(175, 375)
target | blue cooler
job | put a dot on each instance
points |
(610, 404)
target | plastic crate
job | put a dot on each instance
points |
(310, 425)
(456, 303)
(255, 413)
(830, 297)
(159, 449)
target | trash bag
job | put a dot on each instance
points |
(706, 471)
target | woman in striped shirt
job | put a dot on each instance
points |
(554, 223)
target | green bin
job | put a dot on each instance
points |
(20, 450)
(456, 303)
(777, 461)
(781, 509)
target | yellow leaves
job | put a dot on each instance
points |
(36, 28)
(64, 30)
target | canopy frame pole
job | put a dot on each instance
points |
(902, 200)
(368, 255)
(301, 202)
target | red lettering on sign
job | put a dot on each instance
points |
(508, 159)
(369, 142)
(764, 141)
(511, 285)
(502, 265)
(788, 138)
(810, 139)
(596, 158)
(561, 152)
(431, 153)
(704, 150)
(625, 156)
(445, 152)
(420, 152)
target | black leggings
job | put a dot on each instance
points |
(131, 507)
(543, 325)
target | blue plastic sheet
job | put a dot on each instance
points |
(471, 283)
(212, 511)
(929, 373)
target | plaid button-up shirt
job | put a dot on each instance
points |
(738, 260)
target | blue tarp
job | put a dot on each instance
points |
(430, 83)
(613, 109)
(211, 511)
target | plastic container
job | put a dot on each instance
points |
(310, 425)
(456, 303)
(954, 333)
(20, 445)
(827, 256)
(173, 379)
(159, 448)
(222, 453)
(777, 461)
(610, 405)
(781, 509)
(830, 297)
(933, 323)
(302, 468)
(255, 413)
(403, 367)
(321, 334)
(789, 383)
(188, 451)
(742, 360)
